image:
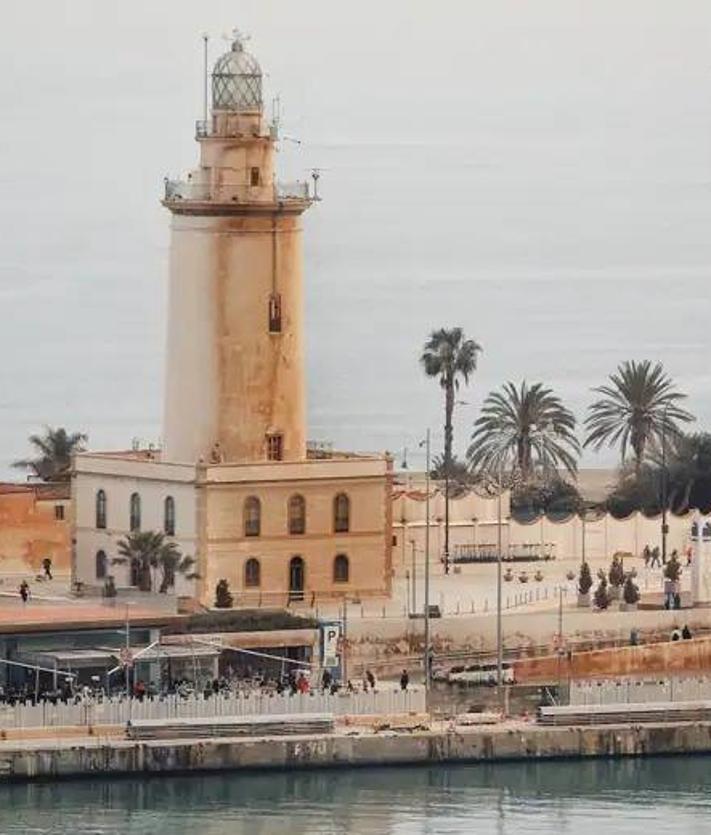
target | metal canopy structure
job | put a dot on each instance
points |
(75, 659)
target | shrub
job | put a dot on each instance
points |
(672, 570)
(585, 581)
(223, 596)
(240, 620)
(616, 574)
(630, 592)
(602, 597)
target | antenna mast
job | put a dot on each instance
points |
(205, 40)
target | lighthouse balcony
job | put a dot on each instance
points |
(237, 126)
(177, 191)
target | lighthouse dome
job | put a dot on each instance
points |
(237, 80)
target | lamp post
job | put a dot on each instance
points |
(665, 528)
(414, 576)
(499, 631)
(427, 561)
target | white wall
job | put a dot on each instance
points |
(119, 478)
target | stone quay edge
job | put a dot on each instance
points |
(509, 741)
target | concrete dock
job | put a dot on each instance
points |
(348, 747)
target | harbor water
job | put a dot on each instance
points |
(629, 797)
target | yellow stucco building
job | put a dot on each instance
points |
(235, 483)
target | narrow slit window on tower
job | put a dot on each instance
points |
(275, 446)
(275, 313)
(254, 176)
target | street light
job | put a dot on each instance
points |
(665, 528)
(426, 444)
(497, 482)
(499, 625)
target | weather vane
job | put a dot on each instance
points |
(238, 36)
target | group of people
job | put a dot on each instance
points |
(653, 556)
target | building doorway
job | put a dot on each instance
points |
(296, 579)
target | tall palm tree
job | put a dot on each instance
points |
(686, 470)
(638, 408)
(459, 475)
(450, 357)
(55, 450)
(528, 426)
(149, 551)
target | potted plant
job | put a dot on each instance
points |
(538, 576)
(570, 575)
(616, 576)
(630, 595)
(109, 591)
(585, 582)
(523, 577)
(223, 596)
(602, 593)
(508, 575)
(672, 584)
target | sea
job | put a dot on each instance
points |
(666, 796)
(538, 174)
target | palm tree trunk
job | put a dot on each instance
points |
(448, 432)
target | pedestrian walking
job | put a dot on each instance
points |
(47, 566)
(24, 591)
(646, 555)
(404, 680)
(656, 558)
(371, 679)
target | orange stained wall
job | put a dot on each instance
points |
(662, 657)
(29, 532)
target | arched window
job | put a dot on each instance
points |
(100, 509)
(102, 565)
(135, 513)
(252, 573)
(297, 514)
(169, 516)
(341, 569)
(297, 578)
(341, 513)
(252, 516)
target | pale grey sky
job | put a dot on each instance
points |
(537, 172)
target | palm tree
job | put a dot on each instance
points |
(529, 426)
(171, 563)
(452, 358)
(55, 450)
(638, 408)
(148, 551)
(686, 470)
(459, 475)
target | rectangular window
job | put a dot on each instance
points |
(254, 176)
(275, 313)
(59, 512)
(275, 447)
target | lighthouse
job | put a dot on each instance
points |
(235, 387)
(233, 484)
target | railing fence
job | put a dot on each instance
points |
(117, 711)
(639, 690)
